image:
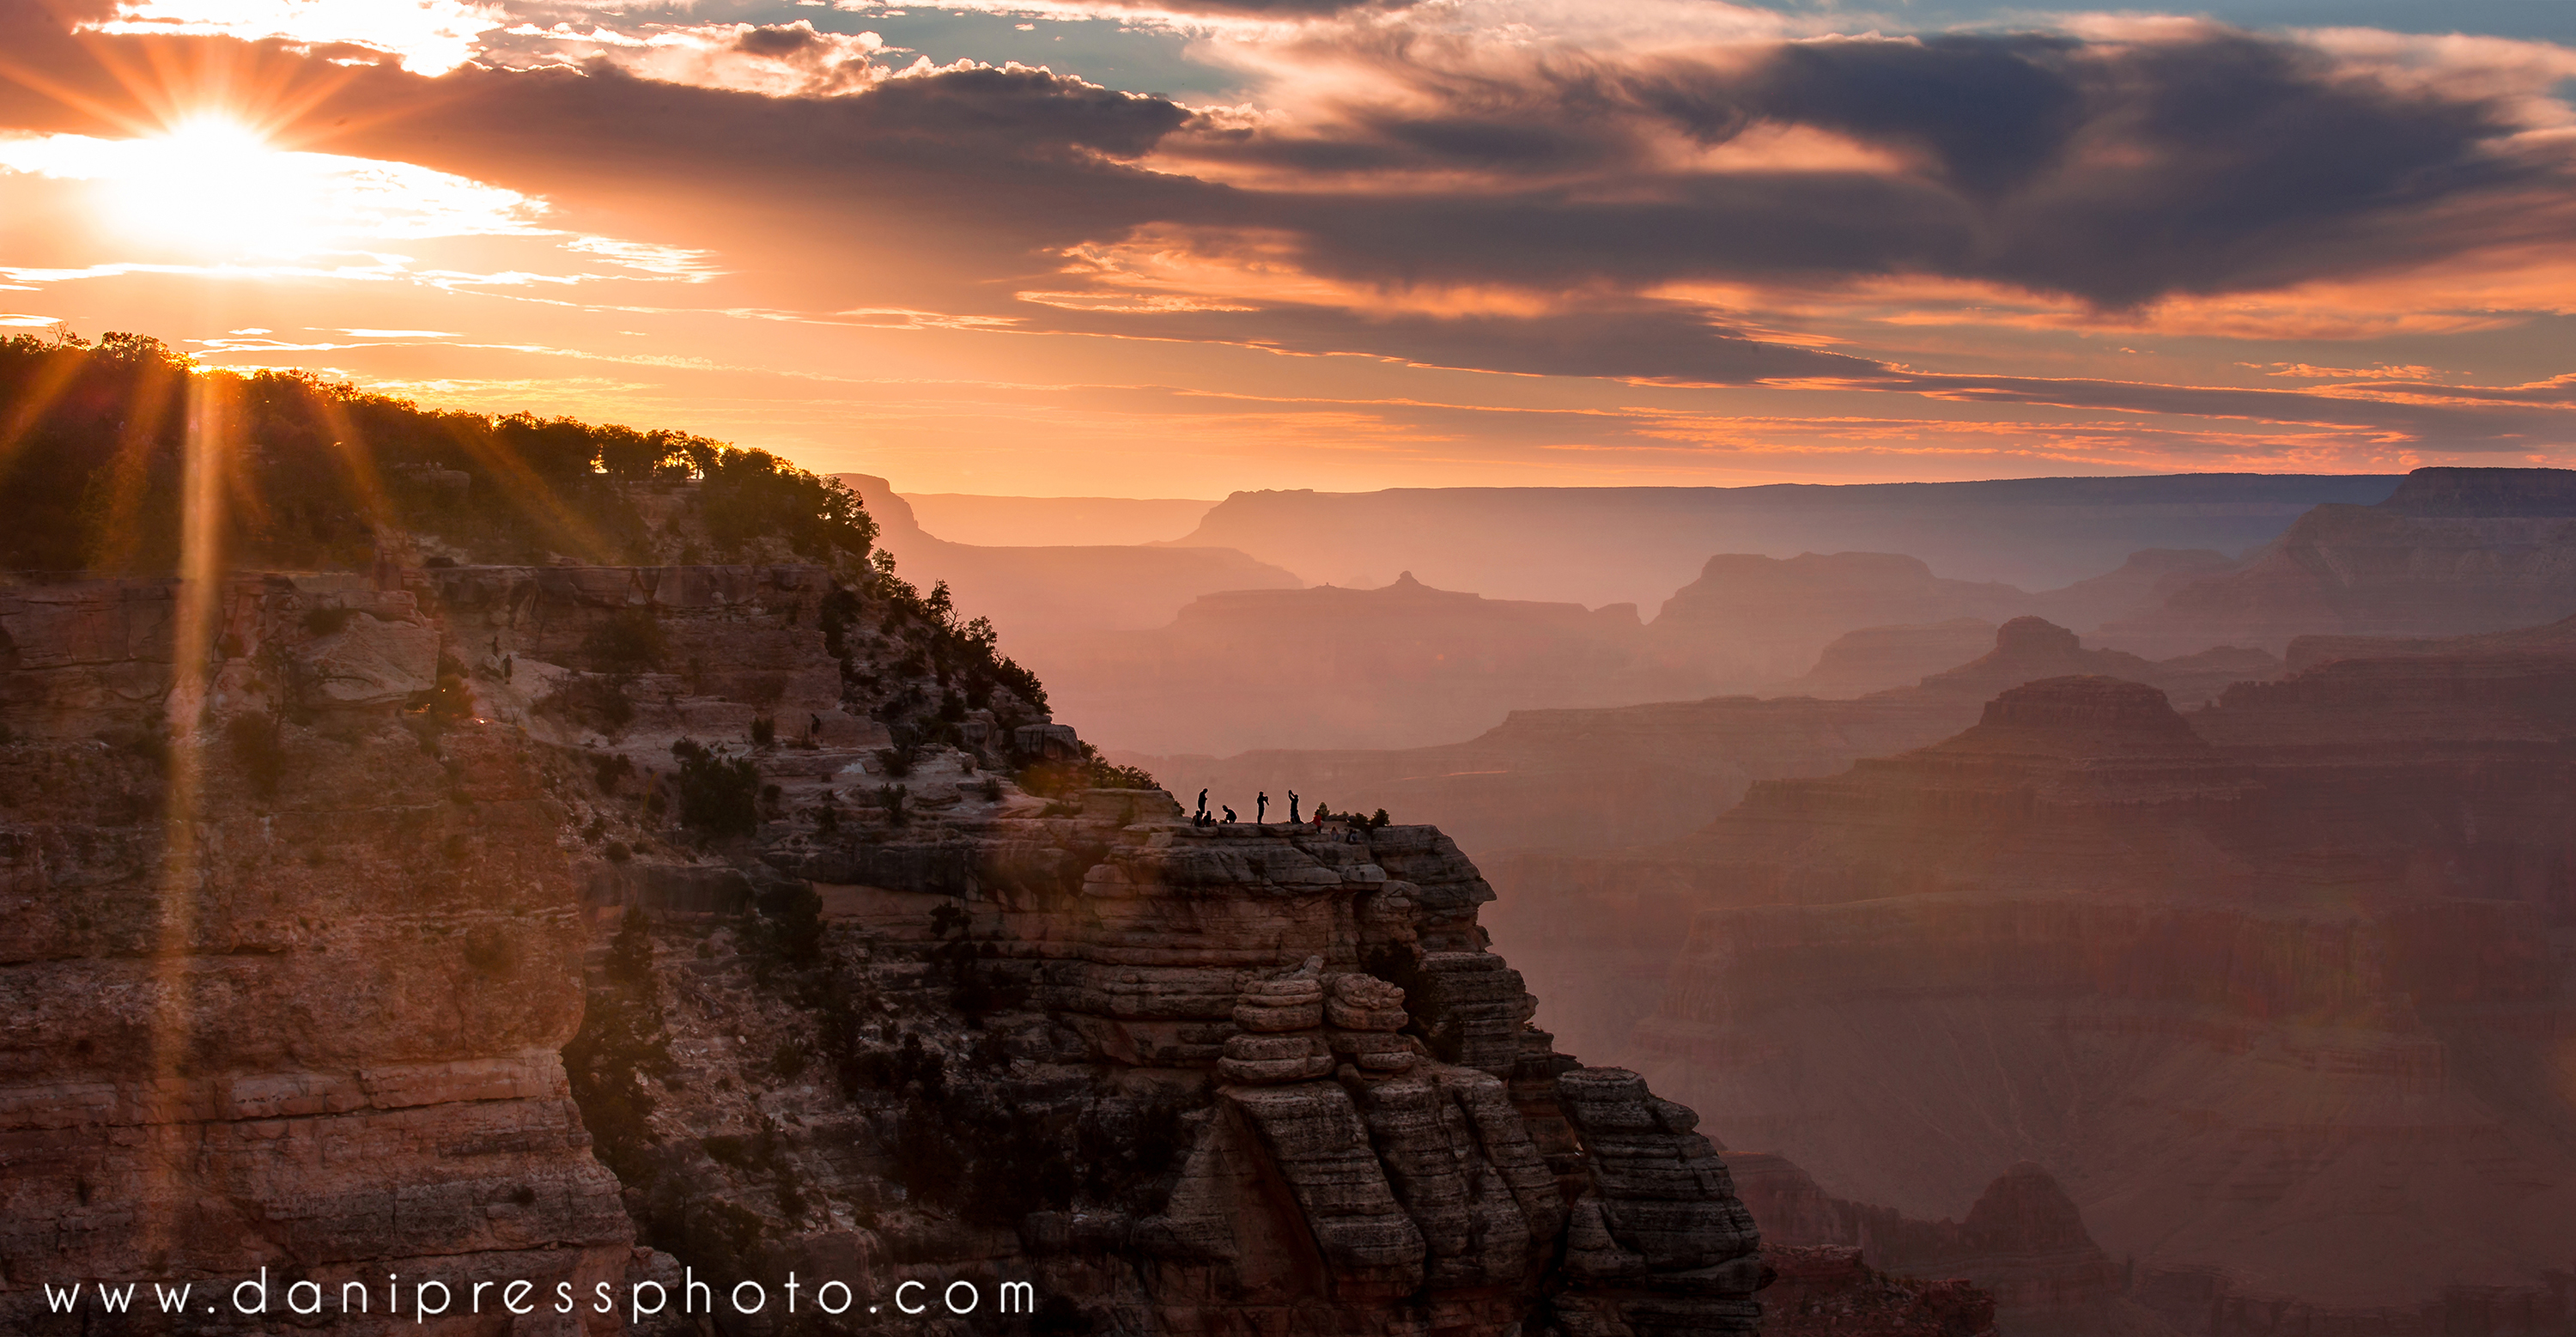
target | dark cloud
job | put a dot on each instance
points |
(2114, 173)
(780, 41)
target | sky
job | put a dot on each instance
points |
(1164, 248)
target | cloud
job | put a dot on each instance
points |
(2118, 173)
(1671, 203)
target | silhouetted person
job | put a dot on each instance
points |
(1202, 803)
(1229, 814)
(1293, 818)
(1261, 808)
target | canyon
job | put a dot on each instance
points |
(623, 924)
(2277, 989)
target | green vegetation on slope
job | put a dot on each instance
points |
(96, 443)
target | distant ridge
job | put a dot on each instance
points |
(1637, 544)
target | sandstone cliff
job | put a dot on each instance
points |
(304, 876)
(288, 985)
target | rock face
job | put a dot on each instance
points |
(2452, 551)
(286, 991)
(468, 981)
(2277, 989)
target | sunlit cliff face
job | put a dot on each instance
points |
(1188, 247)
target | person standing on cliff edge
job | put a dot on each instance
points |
(1293, 818)
(1202, 803)
(1261, 808)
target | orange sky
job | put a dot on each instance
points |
(1357, 246)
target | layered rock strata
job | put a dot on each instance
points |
(287, 983)
(852, 992)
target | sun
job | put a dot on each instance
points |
(214, 189)
(212, 185)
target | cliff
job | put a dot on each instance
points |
(2450, 552)
(288, 988)
(597, 924)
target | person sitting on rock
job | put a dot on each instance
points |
(1229, 815)
(1293, 818)
(1261, 808)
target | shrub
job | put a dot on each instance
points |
(788, 925)
(610, 768)
(764, 731)
(718, 794)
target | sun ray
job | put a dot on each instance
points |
(527, 491)
(48, 385)
(130, 476)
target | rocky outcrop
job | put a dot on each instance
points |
(846, 989)
(2451, 552)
